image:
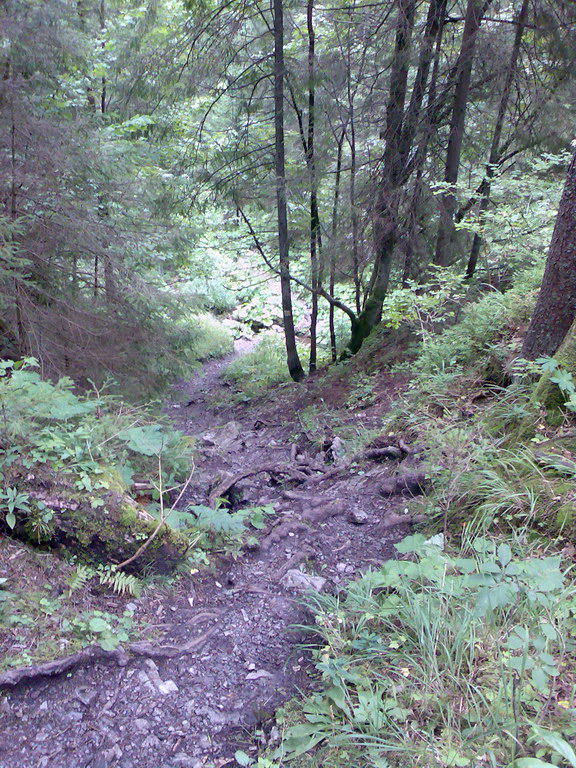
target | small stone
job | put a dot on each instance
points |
(86, 695)
(258, 674)
(187, 761)
(169, 686)
(73, 717)
(131, 607)
(43, 707)
(358, 517)
(295, 579)
(151, 741)
(340, 567)
(141, 724)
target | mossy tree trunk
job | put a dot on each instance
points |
(556, 306)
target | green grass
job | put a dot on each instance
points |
(441, 660)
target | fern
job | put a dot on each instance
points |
(122, 583)
(79, 578)
(220, 520)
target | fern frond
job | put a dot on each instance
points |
(80, 577)
(122, 583)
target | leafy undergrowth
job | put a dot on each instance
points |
(259, 370)
(51, 608)
(88, 483)
(464, 652)
(445, 658)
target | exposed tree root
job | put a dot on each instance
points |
(222, 487)
(95, 653)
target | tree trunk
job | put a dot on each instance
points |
(332, 277)
(494, 157)
(556, 306)
(386, 208)
(311, 162)
(474, 13)
(294, 364)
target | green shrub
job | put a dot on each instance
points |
(439, 659)
(482, 337)
(95, 437)
(209, 338)
(261, 368)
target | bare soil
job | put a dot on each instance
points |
(239, 617)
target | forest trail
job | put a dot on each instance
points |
(195, 709)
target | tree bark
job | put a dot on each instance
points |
(386, 208)
(494, 157)
(311, 162)
(556, 306)
(294, 365)
(332, 276)
(475, 11)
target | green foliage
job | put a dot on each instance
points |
(218, 529)
(260, 369)
(562, 378)
(490, 630)
(481, 340)
(426, 308)
(106, 629)
(84, 435)
(211, 339)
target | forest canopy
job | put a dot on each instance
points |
(164, 159)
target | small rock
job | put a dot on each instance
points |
(358, 517)
(86, 695)
(131, 607)
(186, 761)
(258, 674)
(151, 741)
(295, 579)
(43, 707)
(169, 686)
(142, 724)
(114, 753)
(340, 567)
(99, 762)
(73, 717)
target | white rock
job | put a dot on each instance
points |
(295, 579)
(169, 686)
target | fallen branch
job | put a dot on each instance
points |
(163, 516)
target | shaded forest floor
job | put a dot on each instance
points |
(332, 521)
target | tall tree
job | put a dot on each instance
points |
(495, 146)
(293, 360)
(475, 11)
(556, 306)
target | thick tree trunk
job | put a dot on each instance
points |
(474, 13)
(494, 157)
(556, 306)
(293, 360)
(386, 208)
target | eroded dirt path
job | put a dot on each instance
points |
(195, 709)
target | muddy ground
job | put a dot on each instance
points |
(247, 658)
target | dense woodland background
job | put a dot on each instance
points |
(414, 141)
(379, 199)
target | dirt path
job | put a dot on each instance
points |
(194, 710)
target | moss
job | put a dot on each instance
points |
(565, 518)
(108, 532)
